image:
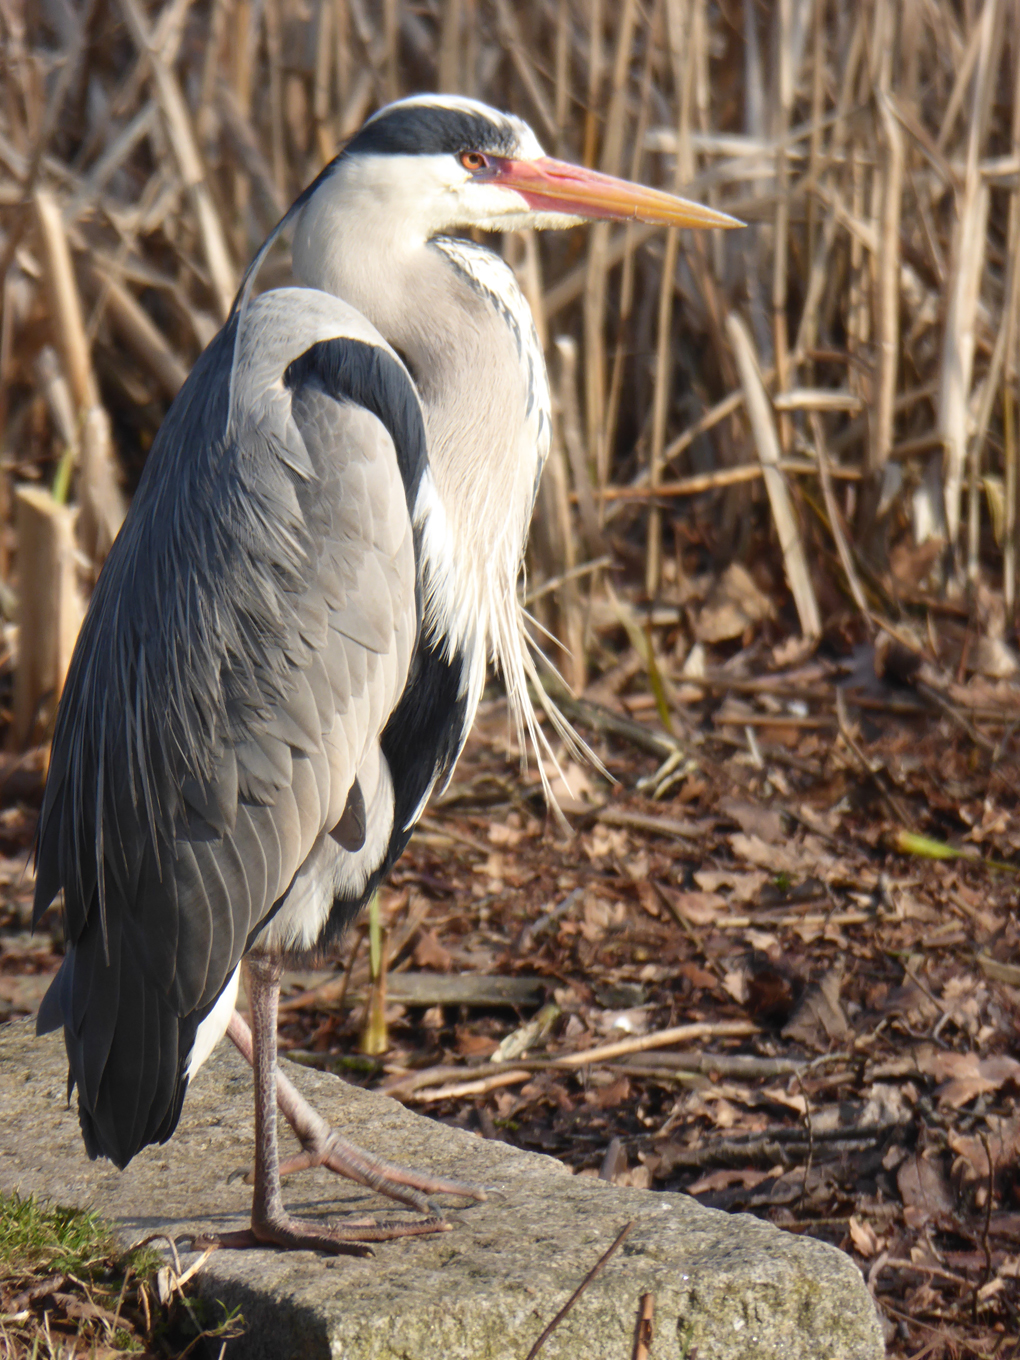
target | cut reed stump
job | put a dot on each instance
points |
(50, 608)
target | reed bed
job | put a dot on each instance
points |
(828, 396)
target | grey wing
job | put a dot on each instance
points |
(247, 640)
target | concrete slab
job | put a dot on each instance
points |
(726, 1286)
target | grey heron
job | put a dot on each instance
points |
(285, 649)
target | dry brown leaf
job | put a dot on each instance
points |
(600, 916)
(971, 1162)
(910, 565)
(698, 977)
(637, 1177)
(700, 908)
(724, 1114)
(820, 1016)
(777, 859)
(572, 787)
(966, 1075)
(608, 1097)
(753, 818)
(735, 983)
(501, 834)
(744, 887)
(606, 840)
(994, 657)
(865, 1239)
(777, 1096)
(472, 1045)
(748, 1177)
(733, 605)
(923, 1190)
(430, 954)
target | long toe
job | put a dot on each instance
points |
(306, 1236)
(404, 1184)
(298, 1234)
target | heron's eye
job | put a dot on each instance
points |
(473, 160)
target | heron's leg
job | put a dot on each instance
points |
(270, 1222)
(323, 1147)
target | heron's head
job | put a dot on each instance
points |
(433, 163)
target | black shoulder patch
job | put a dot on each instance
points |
(432, 130)
(424, 735)
(351, 370)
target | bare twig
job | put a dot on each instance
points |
(643, 1329)
(596, 1269)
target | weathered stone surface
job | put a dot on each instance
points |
(727, 1287)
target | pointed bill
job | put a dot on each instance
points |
(553, 186)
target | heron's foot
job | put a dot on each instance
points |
(401, 1183)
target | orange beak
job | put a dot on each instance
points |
(558, 187)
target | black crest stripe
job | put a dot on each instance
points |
(432, 130)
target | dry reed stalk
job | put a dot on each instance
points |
(524, 66)
(239, 78)
(963, 70)
(119, 150)
(835, 522)
(660, 410)
(572, 286)
(68, 325)
(816, 399)
(594, 311)
(391, 28)
(637, 488)
(449, 46)
(766, 441)
(555, 539)
(182, 140)
(205, 116)
(807, 332)
(595, 64)
(630, 251)
(683, 45)
(970, 239)
(50, 607)
(134, 326)
(103, 507)
(817, 111)
(781, 224)
(237, 131)
(723, 477)
(1009, 546)
(598, 264)
(563, 82)
(342, 32)
(888, 274)
(271, 23)
(573, 441)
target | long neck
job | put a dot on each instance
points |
(454, 313)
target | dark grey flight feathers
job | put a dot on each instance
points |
(262, 586)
